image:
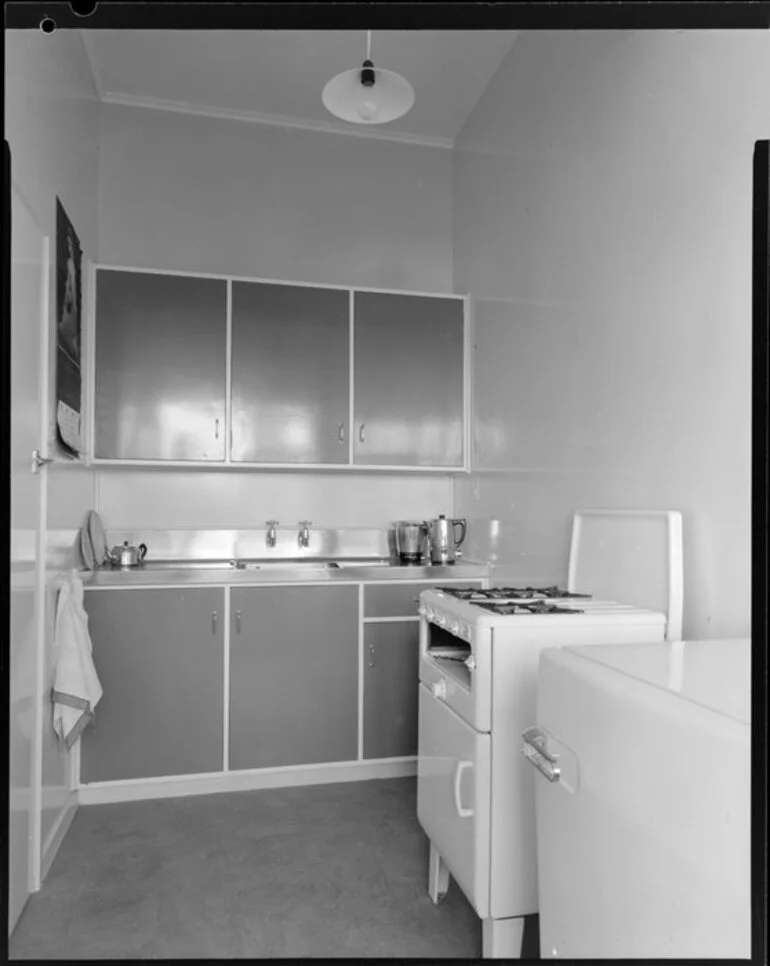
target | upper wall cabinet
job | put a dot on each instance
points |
(290, 374)
(195, 370)
(408, 386)
(160, 366)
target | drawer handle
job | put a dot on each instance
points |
(535, 752)
(459, 769)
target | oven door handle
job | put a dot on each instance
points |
(459, 769)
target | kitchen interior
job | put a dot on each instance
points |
(414, 489)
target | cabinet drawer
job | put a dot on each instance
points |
(399, 600)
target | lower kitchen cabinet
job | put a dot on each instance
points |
(159, 655)
(391, 688)
(293, 675)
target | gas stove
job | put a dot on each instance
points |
(509, 601)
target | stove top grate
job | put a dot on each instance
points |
(477, 595)
(508, 609)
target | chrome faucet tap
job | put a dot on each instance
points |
(270, 535)
(304, 533)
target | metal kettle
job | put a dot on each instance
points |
(444, 542)
(129, 555)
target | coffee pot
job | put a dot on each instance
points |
(410, 540)
(444, 542)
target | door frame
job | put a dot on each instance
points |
(16, 191)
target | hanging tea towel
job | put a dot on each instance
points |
(76, 690)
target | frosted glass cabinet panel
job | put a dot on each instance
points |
(290, 373)
(408, 382)
(160, 366)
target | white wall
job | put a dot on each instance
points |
(51, 125)
(200, 194)
(602, 223)
(232, 500)
(203, 194)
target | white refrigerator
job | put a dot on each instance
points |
(643, 800)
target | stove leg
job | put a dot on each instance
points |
(438, 876)
(501, 938)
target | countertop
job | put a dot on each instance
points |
(162, 576)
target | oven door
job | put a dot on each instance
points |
(453, 796)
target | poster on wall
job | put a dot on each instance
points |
(68, 332)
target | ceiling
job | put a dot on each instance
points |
(276, 76)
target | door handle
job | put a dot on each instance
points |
(371, 656)
(341, 433)
(459, 769)
(237, 622)
(361, 433)
(214, 619)
(536, 752)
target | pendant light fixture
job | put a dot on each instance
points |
(368, 95)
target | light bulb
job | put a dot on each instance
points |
(368, 109)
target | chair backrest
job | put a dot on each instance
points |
(631, 556)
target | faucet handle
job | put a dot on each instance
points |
(306, 523)
(271, 523)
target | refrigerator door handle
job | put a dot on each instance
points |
(535, 750)
(459, 769)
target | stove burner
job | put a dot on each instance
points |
(535, 607)
(476, 595)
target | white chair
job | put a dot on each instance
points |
(631, 556)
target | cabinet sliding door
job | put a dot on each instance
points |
(290, 374)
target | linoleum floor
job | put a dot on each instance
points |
(322, 871)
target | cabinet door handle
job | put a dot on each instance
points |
(341, 433)
(214, 619)
(237, 622)
(361, 434)
(371, 655)
(216, 429)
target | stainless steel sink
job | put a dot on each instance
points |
(181, 565)
(260, 563)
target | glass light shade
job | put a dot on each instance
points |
(390, 97)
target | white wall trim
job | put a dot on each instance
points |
(56, 836)
(285, 467)
(273, 120)
(174, 786)
(277, 281)
(228, 427)
(226, 682)
(361, 673)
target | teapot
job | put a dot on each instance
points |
(129, 555)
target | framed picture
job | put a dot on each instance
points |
(69, 300)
